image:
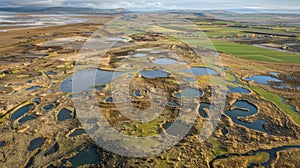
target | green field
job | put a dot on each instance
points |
(254, 53)
(246, 51)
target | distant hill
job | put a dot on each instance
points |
(73, 10)
(244, 10)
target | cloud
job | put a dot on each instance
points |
(160, 4)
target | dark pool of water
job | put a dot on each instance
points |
(48, 107)
(36, 143)
(36, 99)
(51, 73)
(251, 110)
(152, 74)
(64, 114)
(201, 109)
(2, 143)
(52, 150)
(77, 132)
(109, 100)
(262, 79)
(21, 111)
(238, 90)
(86, 80)
(137, 93)
(201, 71)
(34, 88)
(87, 156)
(189, 92)
(173, 104)
(26, 118)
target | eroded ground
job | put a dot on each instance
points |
(40, 128)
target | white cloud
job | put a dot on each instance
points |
(160, 4)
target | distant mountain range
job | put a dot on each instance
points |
(73, 10)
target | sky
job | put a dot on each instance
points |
(160, 4)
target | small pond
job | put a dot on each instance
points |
(87, 79)
(21, 111)
(34, 88)
(64, 114)
(36, 143)
(48, 107)
(238, 90)
(189, 92)
(87, 156)
(166, 61)
(52, 150)
(201, 109)
(262, 79)
(139, 55)
(152, 74)
(245, 109)
(201, 71)
(26, 118)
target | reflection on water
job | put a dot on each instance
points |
(240, 112)
(86, 80)
(262, 79)
(201, 71)
(152, 74)
(238, 90)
